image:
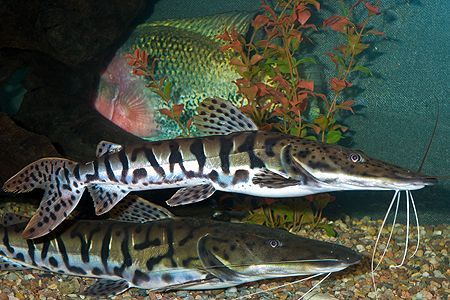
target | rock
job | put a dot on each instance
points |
(20, 147)
(58, 104)
(72, 31)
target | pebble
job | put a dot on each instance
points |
(360, 248)
(423, 277)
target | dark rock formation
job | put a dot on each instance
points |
(71, 31)
(20, 147)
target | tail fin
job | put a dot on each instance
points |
(62, 192)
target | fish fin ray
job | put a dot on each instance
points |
(106, 196)
(107, 287)
(10, 265)
(210, 26)
(62, 191)
(218, 117)
(292, 167)
(52, 211)
(107, 147)
(269, 179)
(9, 219)
(211, 263)
(191, 194)
(135, 209)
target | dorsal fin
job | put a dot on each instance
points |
(135, 209)
(107, 147)
(210, 26)
(217, 116)
(9, 219)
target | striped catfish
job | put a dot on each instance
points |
(168, 253)
(237, 157)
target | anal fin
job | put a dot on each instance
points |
(191, 194)
(135, 209)
(10, 265)
(106, 196)
(9, 219)
(107, 287)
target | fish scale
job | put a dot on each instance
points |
(160, 252)
(237, 158)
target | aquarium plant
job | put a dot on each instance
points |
(276, 94)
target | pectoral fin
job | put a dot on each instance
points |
(272, 180)
(191, 194)
(107, 287)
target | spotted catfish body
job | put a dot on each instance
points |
(167, 253)
(235, 157)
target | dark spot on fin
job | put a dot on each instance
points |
(211, 263)
(9, 219)
(107, 287)
(191, 194)
(272, 180)
(10, 265)
(220, 117)
(107, 147)
(106, 196)
(135, 209)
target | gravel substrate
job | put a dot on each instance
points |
(425, 276)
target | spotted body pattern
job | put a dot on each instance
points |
(237, 158)
(169, 253)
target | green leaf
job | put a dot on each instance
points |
(363, 69)
(311, 138)
(167, 91)
(333, 136)
(328, 229)
(283, 212)
(309, 60)
(340, 60)
(283, 66)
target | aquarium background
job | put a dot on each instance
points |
(411, 82)
(398, 105)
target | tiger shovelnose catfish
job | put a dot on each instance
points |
(235, 157)
(144, 246)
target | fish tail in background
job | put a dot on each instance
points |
(62, 192)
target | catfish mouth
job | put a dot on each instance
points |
(300, 267)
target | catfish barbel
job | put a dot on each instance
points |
(167, 253)
(236, 158)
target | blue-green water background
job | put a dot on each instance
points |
(398, 104)
(411, 74)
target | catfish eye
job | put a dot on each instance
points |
(274, 243)
(356, 157)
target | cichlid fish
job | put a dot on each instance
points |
(236, 158)
(188, 54)
(167, 253)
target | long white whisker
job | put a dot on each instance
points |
(417, 223)
(316, 285)
(283, 285)
(392, 230)
(407, 232)
(378, 239)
